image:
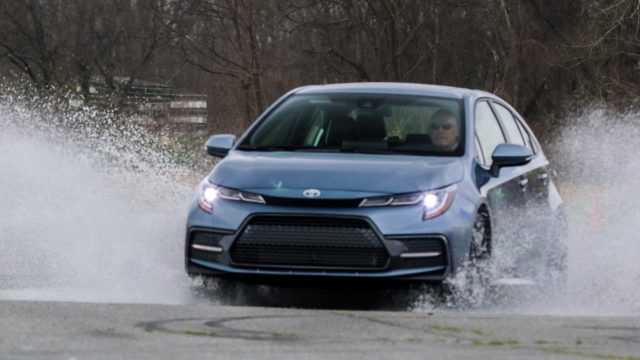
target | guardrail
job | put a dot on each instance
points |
(180, 108)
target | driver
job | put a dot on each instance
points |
(444, 130)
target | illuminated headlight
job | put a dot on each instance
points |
(209, 193)
(435, 202)
(395, 200)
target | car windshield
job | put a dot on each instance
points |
(367, 123)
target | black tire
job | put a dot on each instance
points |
(480, 250)
(480, 247)
(470, 286)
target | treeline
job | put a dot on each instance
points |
(539, 55)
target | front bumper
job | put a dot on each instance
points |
(404, 257)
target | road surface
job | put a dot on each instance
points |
(73, 330)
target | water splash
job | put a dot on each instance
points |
(599, 171)
(92, 207)
(596, 158)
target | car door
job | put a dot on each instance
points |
(540, 183)
(535, 219)
(514, 136)
(537, 176)
(506, 193)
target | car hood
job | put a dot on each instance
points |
(337, 176)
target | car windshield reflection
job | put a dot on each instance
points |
(357, 123)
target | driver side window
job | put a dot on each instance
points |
(488, 133)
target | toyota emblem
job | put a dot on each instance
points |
(311, 193)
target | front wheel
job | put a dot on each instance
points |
(470, 285)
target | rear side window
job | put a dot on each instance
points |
(526, 135)
(488, 131)
(510, 125)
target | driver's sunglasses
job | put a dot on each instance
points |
(441, 126)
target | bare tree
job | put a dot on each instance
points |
(229, 39)
(245, 53)
(27, 39)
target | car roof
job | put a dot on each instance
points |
(391, 88)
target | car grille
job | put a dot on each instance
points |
(309, 242)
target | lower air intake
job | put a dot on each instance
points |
(309, 242)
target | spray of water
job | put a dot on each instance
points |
(92, 207)
(599, 171)
(595, 156)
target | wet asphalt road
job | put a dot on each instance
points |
(70, 330)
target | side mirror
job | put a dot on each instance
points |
(509, 155)
(219, 145)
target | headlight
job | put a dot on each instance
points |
(435, 202)
(404, 199)
(209, 193)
